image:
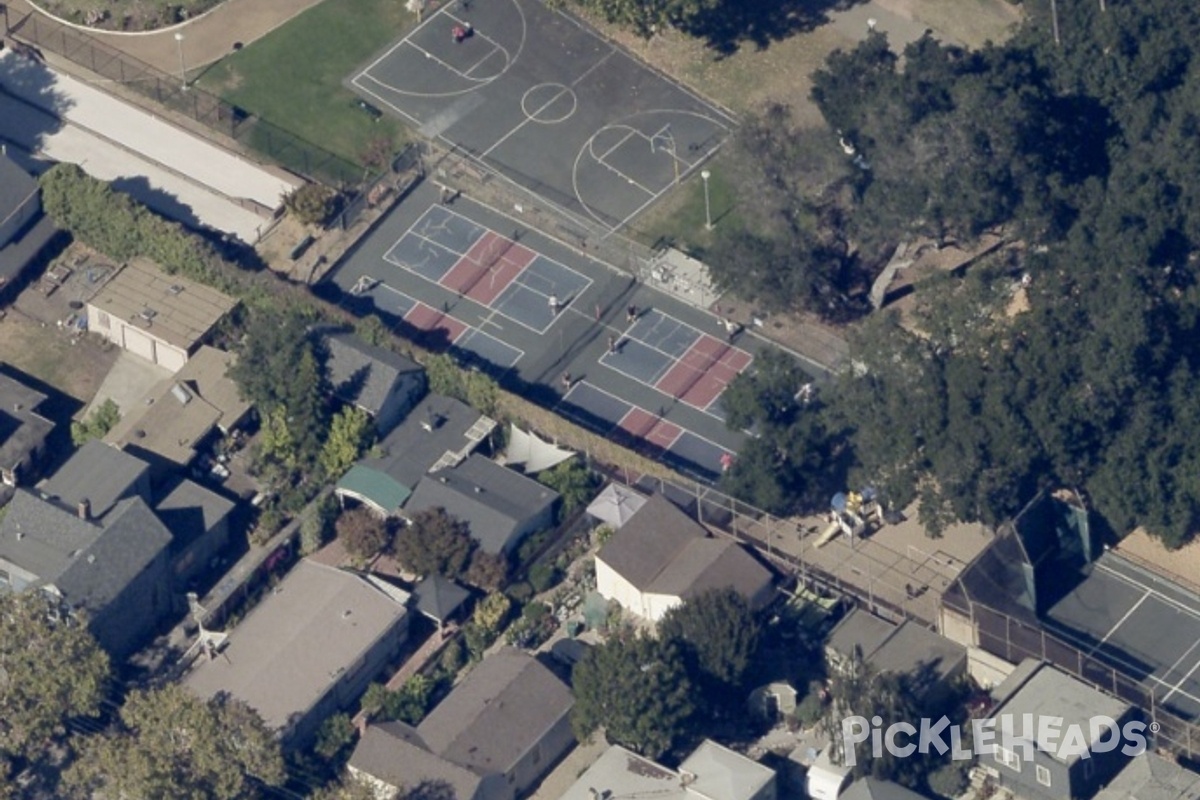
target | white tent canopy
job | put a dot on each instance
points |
(616, 504)
(531, 453)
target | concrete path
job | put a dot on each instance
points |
(206, 39)
(179, 175)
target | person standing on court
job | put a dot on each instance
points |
(555, 305)
(631, 315)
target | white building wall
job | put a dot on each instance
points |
(657, 605)
(612, 586)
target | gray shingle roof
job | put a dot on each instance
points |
(436, 426)
(661, 550)
(872, 789)
(649, 541)
(99, 473)
(132, 538)
(901, 649)
(391, 752)
(1051, 692)
(493, 500)
(189, 511)
(504, 706)
(15, 185)
(89, 562)
(363, 374)
(438, 597)
(1152, 777)
(22, 429)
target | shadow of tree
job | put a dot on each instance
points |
(727, 25)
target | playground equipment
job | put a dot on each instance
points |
(852, 513)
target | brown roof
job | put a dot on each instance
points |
(391, 752)
(650, 541)
(172, 308)
(501, 709)
(662, 550)
(172, 428)
(707, 564)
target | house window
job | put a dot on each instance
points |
(1043, 775)
(102, 319)
(1008, 758)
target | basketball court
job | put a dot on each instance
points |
(547, 103)
(1140, 624)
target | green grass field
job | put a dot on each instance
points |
(293, 75)
(679, 221)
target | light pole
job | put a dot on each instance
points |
(705, 175)
(182, 67)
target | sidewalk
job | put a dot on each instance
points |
(206, 39)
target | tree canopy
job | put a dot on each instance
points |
(51, 670)
(435, 542)
(720, 636)
(173, 744)
(637, 688)
(1082, 157)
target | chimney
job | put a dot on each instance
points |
(84, 509)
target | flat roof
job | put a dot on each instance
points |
(172, 308)
(296, 644)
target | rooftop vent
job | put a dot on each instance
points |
(181, 394)
(91, 558)
(176, 288)
(148, 314)
(478, 490)
(84, 509)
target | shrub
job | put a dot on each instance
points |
(363, 533)
(950, 780)
(102, 420)
(317, 525)
(543, 577)
(454, 657)
(520, 592)
(334, 735)
(311, 204)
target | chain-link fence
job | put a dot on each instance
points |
(169, 91)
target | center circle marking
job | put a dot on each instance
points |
(549, 103)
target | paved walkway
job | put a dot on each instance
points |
(207, 38)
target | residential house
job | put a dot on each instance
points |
(25, 232)
(382, 383)
(1150, 776)
(491, 738)
(500, 505)
(869, 788)
(1041, 761)
(23, 431)
(439, 432)
(162, 318)
(115, 569)
(185, 414)
(932, 662)
(711, 772)
(199, 521)
(439, 598)
(308, 649)
(98, 509)
(661, 557)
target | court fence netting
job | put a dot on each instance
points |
(146, 83)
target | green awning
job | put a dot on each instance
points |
(374, 487)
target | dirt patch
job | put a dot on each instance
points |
(275, 248)
(127, 15)
(73, 363)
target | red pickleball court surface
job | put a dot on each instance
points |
(699, 377)
(488, 268)
(654, 430)
(426, 318)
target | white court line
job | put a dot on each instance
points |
(657, 420)
(1184, 680)
(445, 65)
(530, 117)
(591, 142)
(1195, 612)
(1120, 622)
(471, 329)
(1171, 669)
(1068, 635)
(648, 384)
(480, 62)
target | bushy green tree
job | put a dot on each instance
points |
(637, 688)
(719, 635)
(363, 534)
(174, 744)
(51, 670)
(435, 542)
(351, 433)
(573, 481)
(311, 203)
